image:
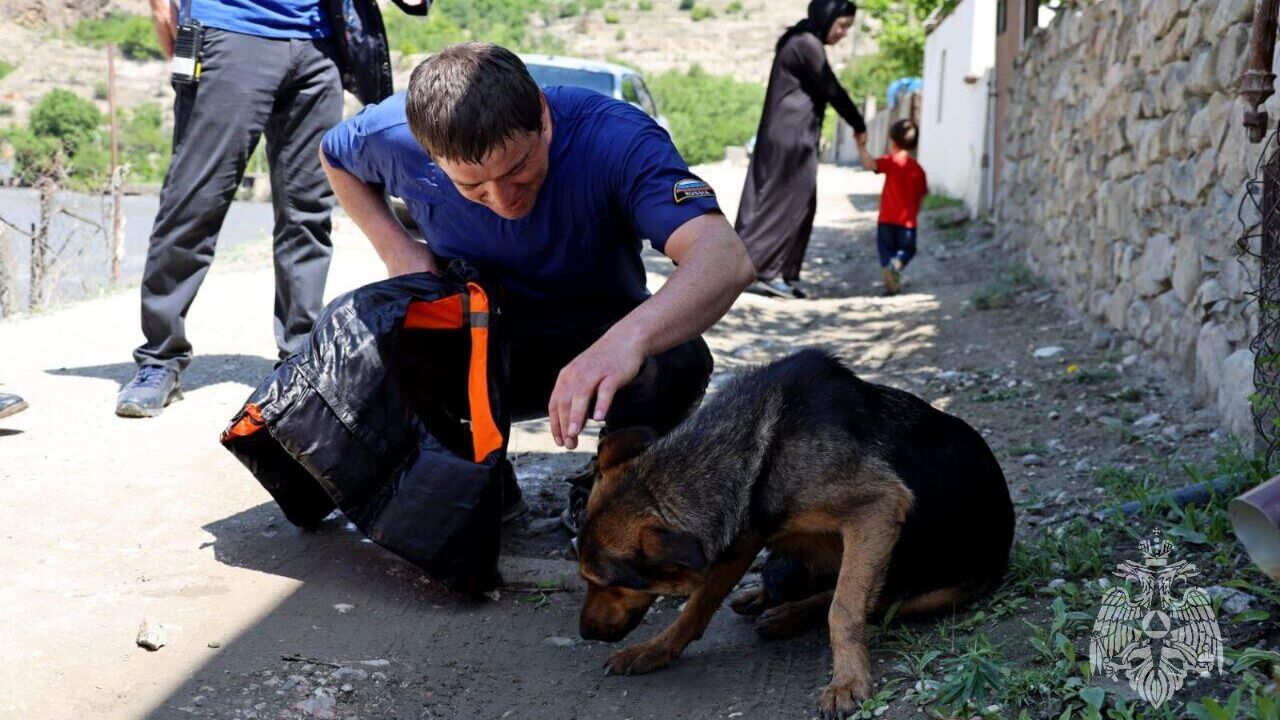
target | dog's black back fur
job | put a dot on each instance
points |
(783, 436)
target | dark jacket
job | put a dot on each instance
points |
(394, 414)
(363, 56)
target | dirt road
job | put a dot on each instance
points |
(111, 521)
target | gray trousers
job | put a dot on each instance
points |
(289, 90)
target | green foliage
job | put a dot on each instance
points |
(645, 5)
(686, 5)
(700, 13)
(1002, 289)
(144, 143)
(135, 35)
(569, 9)
(6, 67)
(707, 112)
(64, 116)
(901, 42)
(939, 201)
(611, 18)
(594, 4)
(504, 22)
(733, 7)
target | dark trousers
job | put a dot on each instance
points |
(290, 91)
(669, 386)
(895, 241)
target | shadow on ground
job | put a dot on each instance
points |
(204, 370)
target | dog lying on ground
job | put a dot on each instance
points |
(870, 486)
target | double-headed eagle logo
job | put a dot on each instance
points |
(1153, 637)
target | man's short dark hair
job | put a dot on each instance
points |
(905, 134)
(469, 99)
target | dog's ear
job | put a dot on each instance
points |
(662, 546)
(621, 446)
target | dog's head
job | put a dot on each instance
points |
(627, 555)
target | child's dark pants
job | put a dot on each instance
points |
(895, 241)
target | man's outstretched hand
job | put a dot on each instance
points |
(599, 372)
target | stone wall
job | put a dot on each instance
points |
(1125, 163)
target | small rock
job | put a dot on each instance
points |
(379, 662)
(321, 705)
(1084, 466)
(1056, 583)
(346, 688)
(1173, 432)
(1149, 420)
(1234, 601)
(1104, 583)
(543, 526)
(559, 641)
(214, 644)
(344, 607)
(1032, 460)
(1129, 360)
(1100, 339)
(1054, 414)
(1048, 351)
(152, 635)
(344, 674)
(1061, 498)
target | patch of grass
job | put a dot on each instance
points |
(733, 7)
(6, 110)
(1082, 375)
(6, 67)
(939, 201)
(1000, 395)
(611, 18)
(135, 35)
(686, 5)
(505, 22)
(568, 10)
(1001, 291)
(1072, 550)
(701, 12)
(707, 112)
(644, 5)
(1027, 449)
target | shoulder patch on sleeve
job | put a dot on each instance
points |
(691, 188)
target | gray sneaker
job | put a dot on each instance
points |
(150, 390)
(11, 405)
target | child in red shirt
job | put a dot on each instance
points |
(905, 186)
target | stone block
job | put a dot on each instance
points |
(1233, 396)
(1212, 350)
(1225, 14)
(1118, 307)
(1155, 267)
(1231, 58)
(1186, 267)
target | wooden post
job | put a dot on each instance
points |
(117, 174)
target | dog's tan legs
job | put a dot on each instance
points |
(662, 649)
(868, 541)
(791, 619)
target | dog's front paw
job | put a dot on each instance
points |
(642, 658)
(751, 601)
(841, 699)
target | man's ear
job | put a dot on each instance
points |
(622, 446)
(662, 546)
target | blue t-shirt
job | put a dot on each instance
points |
(279, 19)
(614, 177)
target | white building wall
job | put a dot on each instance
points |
(958, 55)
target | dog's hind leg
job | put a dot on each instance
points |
(936, 601)
(791, 619)
(662, 649)
(869, 536)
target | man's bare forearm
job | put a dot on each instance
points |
(713, 270)
(366, 206)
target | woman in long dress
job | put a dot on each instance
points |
(781, 193)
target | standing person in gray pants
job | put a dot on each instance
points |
(268, 67)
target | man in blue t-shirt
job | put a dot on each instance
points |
(550, 194)
(268, 68)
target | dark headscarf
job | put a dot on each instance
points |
(822, 15)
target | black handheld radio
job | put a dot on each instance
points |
(187, 48)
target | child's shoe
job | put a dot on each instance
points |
(892, 279)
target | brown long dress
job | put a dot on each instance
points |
(780, 197)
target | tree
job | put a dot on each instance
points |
(901, 43)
